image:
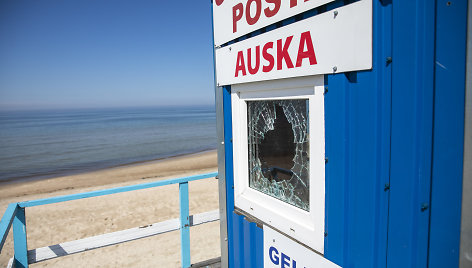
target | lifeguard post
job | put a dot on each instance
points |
(341, 130)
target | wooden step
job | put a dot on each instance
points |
(99, 241)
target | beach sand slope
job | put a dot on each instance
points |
(67, 221)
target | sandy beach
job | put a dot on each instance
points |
(56, 223)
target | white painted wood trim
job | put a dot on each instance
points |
(99, 241)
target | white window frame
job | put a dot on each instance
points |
(305, 226)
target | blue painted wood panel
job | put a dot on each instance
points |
(448, 141)
(357, 119)
(412, 110)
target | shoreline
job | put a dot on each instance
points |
(155, 169)
(143, 162)
(53, 175)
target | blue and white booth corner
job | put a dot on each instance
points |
(382, 87)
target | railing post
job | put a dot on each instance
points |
(19, 239)
(184, 224)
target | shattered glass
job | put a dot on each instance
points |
(278, 148)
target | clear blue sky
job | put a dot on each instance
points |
(104, 53)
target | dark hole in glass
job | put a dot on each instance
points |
(277, 149)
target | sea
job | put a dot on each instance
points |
(49, 143)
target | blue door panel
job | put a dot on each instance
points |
(357, 121)
(412, 109)
(448, 144)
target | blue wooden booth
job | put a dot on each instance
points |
(396, 136)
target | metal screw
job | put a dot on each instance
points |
(229, 48)
(387, 187)
(335, 13)
(335, 69)
(325, 234)
(273, 240)
(326, 160)
(424, 206)
(448, 3)
(388, 60)
(326, 90)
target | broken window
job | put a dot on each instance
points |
(278, 149)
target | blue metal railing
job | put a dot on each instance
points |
(15, 215)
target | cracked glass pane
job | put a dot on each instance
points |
(278, 148)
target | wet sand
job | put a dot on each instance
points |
(56, 223)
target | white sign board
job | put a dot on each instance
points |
(281, 251)
(232, 19)
(336, 41)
